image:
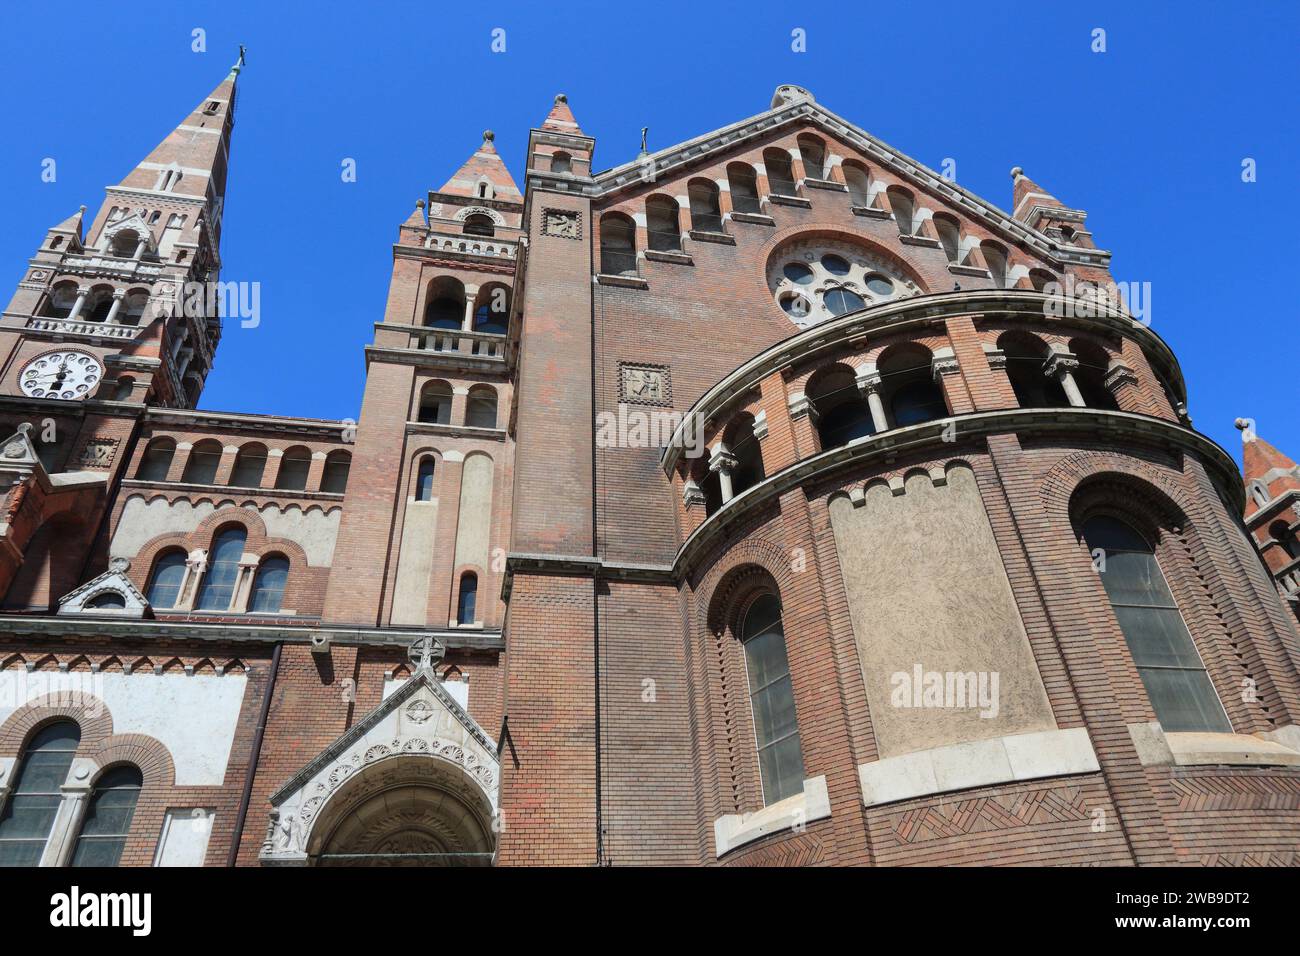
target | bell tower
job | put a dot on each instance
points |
(128, 309)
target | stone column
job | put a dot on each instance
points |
(467, 324)
(1061, 366)
(722, 461)
(140, 248)
(76, 792)
(82, 292)
(113, 309)
(870, 384)
(244, 583)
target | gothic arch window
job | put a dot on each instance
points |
(201, 465)
(1025, 356)
(424, 479)
(435, 403)
(107, 822)
(156, 461)
(164, 588)
(445, 308)
(904, 209)
(617, 245)
(481, 407)
(780, 172)
(663, 229)
(561, 162)
(742, 182)
(1180, 691)
(1285, 537)
(706, 208)
(268, 585)
(218, 588)
(334, 476)
(949, 236)
(295, 464)
(479, 225)
(909, 390)
(842, 413)
(995, 258)
(250, 462)
(813, 152)
(771, 700)
(1260, 494)
(28, 814)
(467, 598)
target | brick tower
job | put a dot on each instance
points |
(1273, 510)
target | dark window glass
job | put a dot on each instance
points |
(835, 265)
(294, 467)
(468, 598)
(165, 585)
(29, 812)
(201, 466)
(771, 697)
(424, 481)
(917, 402)
(844, 423)
(268, 586)
(1180, 691)
(842, 301)
(780, 173)
(249, 465)
(334, 478)
(798, 272)
(108, 601)
(223, 571)
(108, 818)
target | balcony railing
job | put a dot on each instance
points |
(459, 342)
(39, 323)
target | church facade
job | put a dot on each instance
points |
(765, 500)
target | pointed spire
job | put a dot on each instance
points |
(483, 166)
(1260, 460)
(72, 224)
(560, 119)
(416, 219)
(1025, 188)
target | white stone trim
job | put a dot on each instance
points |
(979, 763)
(1205, 749)
(733, 830)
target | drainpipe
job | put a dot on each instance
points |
(256, 756)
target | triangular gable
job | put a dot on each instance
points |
(797, 111)
(113, 581)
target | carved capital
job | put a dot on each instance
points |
(996, 357)
(692, 495)
(1119, 374)
(721, 459)
(869, 382)
(1059, 363)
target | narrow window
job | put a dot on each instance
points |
(334, 477)
(617, 245)
(165, 584)
(771, 698)
(268, 586)
(706, 211)
(561, 162)
(201, 466)
(949, 237)
(900, 201)
(156, 461)
(743, 183)
(218, 588)
(28, 814)
(859, 183)
(468, 598)
(294, 466)
(249, 465)
(662, 224)
(435, 404)
(481, 408)
(1174, 676)
(108, 818)
(424, 480)
(780, 172)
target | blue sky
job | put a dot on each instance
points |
(1148, 136)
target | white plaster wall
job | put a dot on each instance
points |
(313, 530)
(415, 563)
(475, 519)
(193, 717)
(185, 835)
(458, 689)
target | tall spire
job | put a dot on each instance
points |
(191, 163)
(560, 119)
(483, 166)
(1263, 463)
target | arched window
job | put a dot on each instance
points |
(771, 699)
(1260, 494)
(859, 183)
(424, 479)
(107, 823)
(479, 225)
(561, 162)
(949, 236)
(1285, 537)
(165, 582)
(813, 153)
(706, 210)
(1025, 356)
(156, 461)
(1090, 376)
(268, 585)
(617, 245)
(435, 403)
(99, 303)
(663, 229)
(106, 601)
(780, 172)
(445, 308)
(900, 201)
(334, 477)
(295, 463)
(995, 258)
(467, 599)
(743, 184)
(481, 407)
(61, 299)
(218, 588)
(492, 309)
(840, 301)
(744, 445)
(201, 465)
(250, 462)
(842, 413)
(909, 389)
(1172, 672)
(28, 814)
(1040, 279)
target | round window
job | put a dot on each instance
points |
(879, 285)
(835, 265)
(796, 306)
(842, 301)
(798, 273)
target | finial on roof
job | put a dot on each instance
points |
(488, 136)
(1016, 172)
(419, 204)
(561, 98)
(83, 208)
(1246, 427)
(239, 64)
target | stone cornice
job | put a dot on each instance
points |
(918, 310)
(193, 419)
(64, 627)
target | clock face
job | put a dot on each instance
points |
(66, 375)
